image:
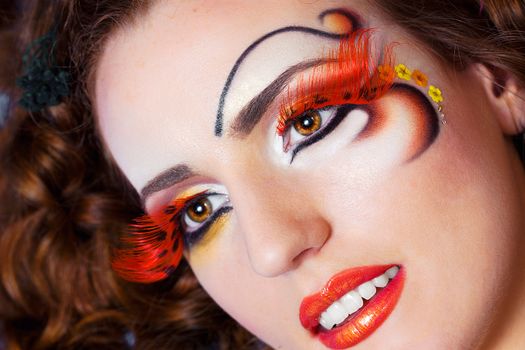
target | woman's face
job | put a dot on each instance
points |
(296, 211)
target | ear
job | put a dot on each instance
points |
(506, 95)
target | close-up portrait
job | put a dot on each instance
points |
(262, 175)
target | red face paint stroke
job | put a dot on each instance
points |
(418, 110)
(350, 76)
(408, 103)
(152, 246)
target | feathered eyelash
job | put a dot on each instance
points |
(153, 245)
(349, 76)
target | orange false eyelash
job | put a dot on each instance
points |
(152, 246)
(349, 76)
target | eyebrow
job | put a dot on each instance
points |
(352, 16)
(242, 125)
(166, 179)
(252, 113)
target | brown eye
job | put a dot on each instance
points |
(308, 123)
(200, 210)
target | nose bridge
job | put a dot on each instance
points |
(277, 221)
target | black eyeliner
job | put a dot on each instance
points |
(433, 125)
(342, 112)
(356, 24)
(192, 238)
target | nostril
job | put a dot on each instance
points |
(305, 254)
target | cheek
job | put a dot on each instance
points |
(222, 266)
(204, 251)
(442, 213)
(212, 260)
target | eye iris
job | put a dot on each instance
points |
(200, 210)
(309, 123)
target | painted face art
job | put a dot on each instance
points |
(305, 170)
(314, 97)
(346, 81)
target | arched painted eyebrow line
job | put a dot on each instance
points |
(356, 24)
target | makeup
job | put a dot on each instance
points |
(353, 304)
(152, 246)
(350, 80)
(201, 235)
(351, 23)
(350, 76)
(409, 104)
(421, 79)
(340, 20)
(201, 250)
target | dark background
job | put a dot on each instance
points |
(9, 11)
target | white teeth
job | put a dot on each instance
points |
(352, 301)
(392, 272)
(338, 312)
(380, 281)
(326, 320)
(367, 290)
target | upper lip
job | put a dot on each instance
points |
(313, 305)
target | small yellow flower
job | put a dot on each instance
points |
(420, 78)
(403, 72)
(435, 94)
(386, 73)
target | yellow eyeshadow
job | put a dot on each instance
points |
(200, 250)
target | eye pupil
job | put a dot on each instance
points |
(200, 210)
(308, 123)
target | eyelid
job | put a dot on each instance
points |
(181, 191)
(327, 95)
(194, 193)
(349, 76)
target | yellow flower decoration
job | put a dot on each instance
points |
(386, 73)
(435, 94)
(403, 72)
(420, 78)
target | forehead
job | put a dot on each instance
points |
(159, 81)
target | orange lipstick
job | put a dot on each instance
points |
(360, 324)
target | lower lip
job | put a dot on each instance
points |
(365, 321)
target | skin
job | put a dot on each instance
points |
(452, 216)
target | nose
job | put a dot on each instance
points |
(279, 225)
